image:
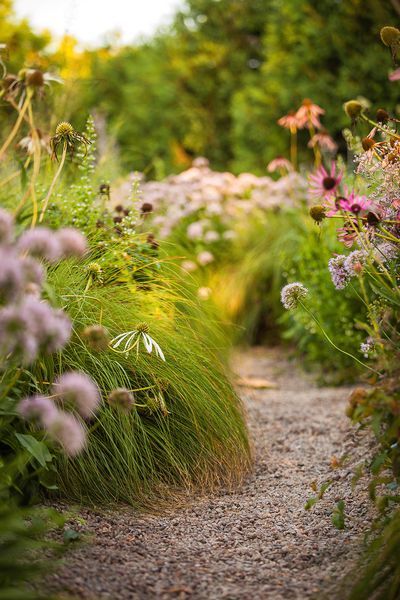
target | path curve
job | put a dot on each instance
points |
(255, 543)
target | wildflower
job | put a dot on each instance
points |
(309, 113)
(394, 75)
(17, 337)
(353, 109)
(11, 276)
(339, 273)
(211, 236)
(96, 337)
(279, 164)
(204, 293)
(355, 262)
(121, 398)
(292, 294)
(66, 136)
(72, 242)
(290, 121)
(28, 142)
(95, 272)
(367, 347)
(78, 390)
(195, 230)
(204, 258)
(40, 242)
(323, 183)
(68, 432)
(324, 141)
(37, 408)
(318, 213)
(51, 327)
(32, 271)
(188, 266)
(6, 227)
(132, 340)
(354, 203)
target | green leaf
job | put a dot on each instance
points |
(310, 503)
(37, 449)
(70, 535)
(338, 515)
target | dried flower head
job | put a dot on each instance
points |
(122, 399)
(292, 294)
(390, 36)
(318, 213)
(96, 337)
(382, 116)
(67, 137)
(353, 109)
(142, 328)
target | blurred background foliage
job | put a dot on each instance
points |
(215, 82)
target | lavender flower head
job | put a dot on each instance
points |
(38, 408)
(11, 275)
(68, 432)
(72, 242)
(41, 242)
(78, 390)
(51, 327)
(17, 336)
(367, 347)
(292, 294)
(339, 274)
(6, 227)
(355, 262)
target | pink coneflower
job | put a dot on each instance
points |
(324, 141)
(40, 242)
(72, 242)
(290, 121)
(323, 183)
(279, 164)
(353, 203)
(68, 432)
(347, 235)
(308, 114)
(78, 390)
(38, 408)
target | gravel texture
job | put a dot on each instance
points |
(256, 542)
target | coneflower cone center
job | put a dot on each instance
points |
(329, 183)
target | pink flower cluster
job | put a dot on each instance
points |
(29, 325)
(75, 391)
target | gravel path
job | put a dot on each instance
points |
(255, 543)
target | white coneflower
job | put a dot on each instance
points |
(131, 340)
(292, 293)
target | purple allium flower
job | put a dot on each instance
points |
(40, 242)
(38, 408)
(292, 293)
(51, 327)
(17, 333)
(121, 398)
(68, 431)
(33, 271)
(72, 242)
(355, 262)
(6, 227)
(78, 390)
(11, 275)
(339, 273)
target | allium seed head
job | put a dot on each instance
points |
(292, 294)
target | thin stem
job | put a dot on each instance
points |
(17, 125)
(332, 343)
(317, 153)
(53, 183)
(293, 147)
(374, 124)
(36, 164)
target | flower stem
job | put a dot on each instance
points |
(53, 183)
(17, 125)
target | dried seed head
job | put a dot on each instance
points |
(64, 128)
(96, 337)
(8, 81)
(367, 143)
(390, 36)
(353, 109)
(34, 78)
(142, 328)
(317, 213)
(122, 399)
(382, 116)
(146, 207)
(94, 269)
